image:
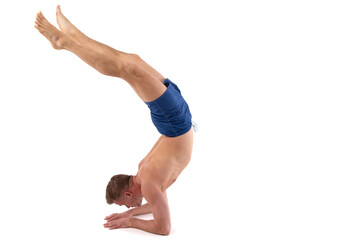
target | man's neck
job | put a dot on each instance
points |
(134, 178)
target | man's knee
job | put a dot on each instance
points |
(134, 57)
(126, 67)
(131, 66)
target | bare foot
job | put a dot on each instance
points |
(57, 39)
(65, 25)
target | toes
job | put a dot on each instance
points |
(42, 20)
(41, 29)
(38, 22)
(39, 15)
(38, 19)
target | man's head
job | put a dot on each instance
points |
(122, 190)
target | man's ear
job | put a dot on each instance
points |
(128, 194)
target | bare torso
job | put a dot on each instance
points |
(167, 160)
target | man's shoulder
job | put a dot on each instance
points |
(150, 189)
(147, 175)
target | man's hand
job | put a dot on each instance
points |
(118, 220)
(118, 215)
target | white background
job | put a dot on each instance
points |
(273, 86)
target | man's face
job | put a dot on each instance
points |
(129, 201)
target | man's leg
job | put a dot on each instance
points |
(146, 83)
(69, 29)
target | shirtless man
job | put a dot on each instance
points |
(169, 113)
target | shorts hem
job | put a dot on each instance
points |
(177, 134)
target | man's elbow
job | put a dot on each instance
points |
(165, 232)
(165, 229)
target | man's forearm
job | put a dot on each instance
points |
(148, 226)
(143, 209)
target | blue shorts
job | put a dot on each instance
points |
(170, 113)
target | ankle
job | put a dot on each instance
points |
(69, 44)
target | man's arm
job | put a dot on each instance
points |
(143, 209)
(161, 223)
(157, 205)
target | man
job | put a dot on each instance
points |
(169, 113)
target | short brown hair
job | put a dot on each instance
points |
(116, 187)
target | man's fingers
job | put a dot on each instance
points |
(112, 224)
(109, 224)
(111, 220)
(115, 216)
(110, 216)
